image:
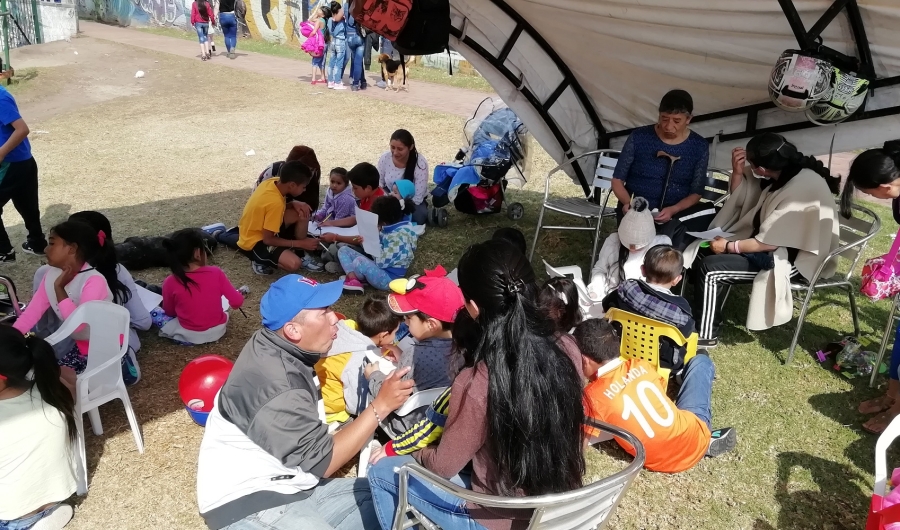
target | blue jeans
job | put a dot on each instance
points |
(337, 58)
(895, 358)
(335, 504)
(442, 508)
(363, 268)
(228, 23)
(202, 30)
(695, 395)
(356, 46)
(27, 522)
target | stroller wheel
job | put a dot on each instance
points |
(438, 217)
(515, 211)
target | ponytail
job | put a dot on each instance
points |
(29, 362)
(772, 151)
(869, 170)
(104, 259)
(181, 247)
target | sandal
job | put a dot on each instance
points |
(876, 405)
(879, 423)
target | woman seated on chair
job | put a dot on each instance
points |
(502, 417)
(37, 435)
(783, 216)
(877, 173)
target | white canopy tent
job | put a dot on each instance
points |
(582, 73)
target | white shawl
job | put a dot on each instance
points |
(801, 215)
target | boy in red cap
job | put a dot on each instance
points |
(429, 303)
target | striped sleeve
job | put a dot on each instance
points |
(425, 432)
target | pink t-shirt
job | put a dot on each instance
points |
(199, 306)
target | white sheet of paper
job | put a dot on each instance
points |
(384, 366)
(225, 305)
(367, 223)
(710, 234)
(419, 229)
(350, 231)
(701, 213)
(150, 299)
(453, 276)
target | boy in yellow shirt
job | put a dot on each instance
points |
(270, 229)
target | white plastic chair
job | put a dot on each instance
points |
(585, 208)
(586, 508)
(855, 234)
(881, 447)
(413, 402)
(101, 381)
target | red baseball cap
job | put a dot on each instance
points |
(432, 293)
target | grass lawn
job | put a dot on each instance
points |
(158, 154)
(416, 71)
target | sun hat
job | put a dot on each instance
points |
(637, 229)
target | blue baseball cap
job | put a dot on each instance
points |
(292, 294)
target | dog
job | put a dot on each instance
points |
(394, 73)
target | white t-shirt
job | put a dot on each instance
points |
(389, 174)
(37, 465)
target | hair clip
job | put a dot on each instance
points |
(29, 335)
(515, 286)
(101, 237)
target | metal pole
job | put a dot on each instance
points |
(36, 22)
(4, 12)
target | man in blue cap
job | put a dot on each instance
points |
(266, 455)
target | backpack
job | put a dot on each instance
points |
(427, 29)
(384, 17)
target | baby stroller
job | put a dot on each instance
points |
(476, 182)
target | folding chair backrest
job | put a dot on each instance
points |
(717, 186)
(108, 340)
(419, 399)
(606, 165)
(10, 309)
(855, 234)
(641, 338)
(584, 513)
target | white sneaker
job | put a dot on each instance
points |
(57, 519)
(331, 85)
(340, 87)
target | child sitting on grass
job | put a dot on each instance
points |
(405, 190)
(191, 311)
(654, 299)
(630, 394)
(398, 245)
(429, 304)
(340, 204)
(372, 331)
(363, 179)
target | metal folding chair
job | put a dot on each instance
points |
(586, 508)
(585, 208)
(855, 234)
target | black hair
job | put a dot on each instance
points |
(375, 316)
(202, 9)
(334, 7)
(663, 264)
(30, 354)
(466, 336)
(677, 102)
(181, 247)
(364, 175)
(294, 172)
(597, 339)
(564, 315)
(326, 12)
(340, 171)
(387, 208)
(445, 326)
(869, 170)
(773, 151)
(512, 235)
(107, 258)
(534, 407)
(406, 138)
(102, 257)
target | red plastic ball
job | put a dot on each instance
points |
(201, 379)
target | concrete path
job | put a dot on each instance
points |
(432, 96)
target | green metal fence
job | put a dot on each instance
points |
(20, 25)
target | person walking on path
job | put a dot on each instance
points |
(202, 16)
(356, 48)
(18, 179)
(228, 23)
(337, 48)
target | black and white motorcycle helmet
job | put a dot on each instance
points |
(848, 93)
(799, 80)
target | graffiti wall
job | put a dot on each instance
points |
(272, 20)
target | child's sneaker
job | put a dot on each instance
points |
(131, 371)
(334, 267)
(310, 264)
(35, 249)
(330, 84)
(262, 269)
(214, 229)
(353, 285)
(722, 441)
(58, 518)
(9, 257)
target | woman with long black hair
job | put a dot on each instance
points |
(783, 218)
(405, 162)
(37, 435)
(876, 172)
(515, 407)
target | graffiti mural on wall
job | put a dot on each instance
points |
(272, 20)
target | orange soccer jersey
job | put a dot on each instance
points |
(629, 393)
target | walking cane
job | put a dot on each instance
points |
(672, 160)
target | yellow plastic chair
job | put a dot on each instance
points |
(641, 335)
